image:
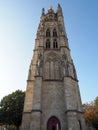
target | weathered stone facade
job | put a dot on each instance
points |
(52, 100)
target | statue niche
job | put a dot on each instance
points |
(39, 65)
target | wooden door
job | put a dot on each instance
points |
(53, 124)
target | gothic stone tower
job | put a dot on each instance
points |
(52, 100)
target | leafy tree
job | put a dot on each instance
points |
(11, 108)
(96, 101)
(91, 114)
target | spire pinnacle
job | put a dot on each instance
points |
(59, 9)
(59, 5)
(43, 11)
(51, 7)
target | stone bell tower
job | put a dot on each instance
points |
(52, 100)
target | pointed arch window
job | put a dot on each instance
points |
(48, 33)
(54, 33)
(55, 44)
(48, 43)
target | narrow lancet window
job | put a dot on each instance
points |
(48, 43)
(55, 44)
(48, 33)
(54, 33)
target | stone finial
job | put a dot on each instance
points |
(59, 9)
(51, 7)
(43, 11)
(59, 5)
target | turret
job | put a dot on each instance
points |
(43, 14)
(61, 19)
(59, 10)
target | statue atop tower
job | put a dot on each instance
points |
(52, 100)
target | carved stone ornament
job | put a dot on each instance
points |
(50, 17)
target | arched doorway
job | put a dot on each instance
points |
(53, 123)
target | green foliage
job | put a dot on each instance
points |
(96, 101)
(11, 108)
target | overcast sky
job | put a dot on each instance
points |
(19, 21)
